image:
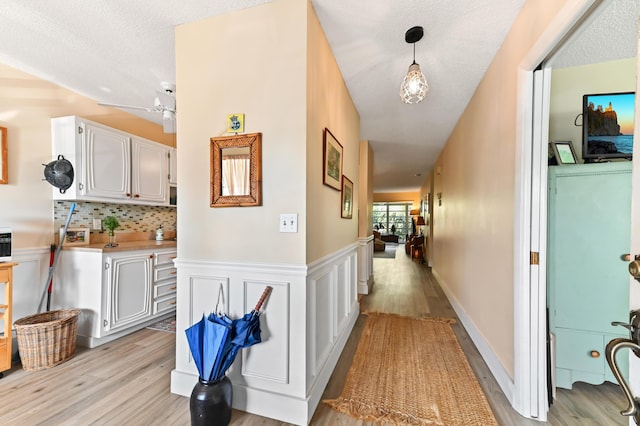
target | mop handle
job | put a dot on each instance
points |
(265, 293)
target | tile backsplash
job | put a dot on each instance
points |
(132, 218)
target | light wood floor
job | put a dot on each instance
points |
(126, 382)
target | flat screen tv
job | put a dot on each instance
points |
(607, 126)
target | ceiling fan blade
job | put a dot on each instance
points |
(128, 106)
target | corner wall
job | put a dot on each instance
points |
(289, 87)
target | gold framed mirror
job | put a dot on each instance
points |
(236, 170)
(4, 176)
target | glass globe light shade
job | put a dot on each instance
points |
(414, 87)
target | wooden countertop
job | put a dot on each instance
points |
(125, 246)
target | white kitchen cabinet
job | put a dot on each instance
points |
(173, 166)
(117, 292)
(110, 165)
(164, 283)
(128, 280)
(149, 171)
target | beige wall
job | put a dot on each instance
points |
(329, 105)
(286, 82)
(569, 84)
(26, 106)
(365, 216)
(473, 235)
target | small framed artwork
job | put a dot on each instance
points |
(332, 161)
(76, 236)
(235, 123)
(563, 152)
(347, 198)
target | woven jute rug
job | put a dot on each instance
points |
(412, 371)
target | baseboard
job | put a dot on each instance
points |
(92, 342)
(495, 366)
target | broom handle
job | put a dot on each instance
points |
(265, 293)
(56, 257)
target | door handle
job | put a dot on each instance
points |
(633, 408)
(634, 328)
(633, 343)
(634, 266)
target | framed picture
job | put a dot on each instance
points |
(347, 198)
(332, 161)
(76, 236)
(563, 152)
(235, 123)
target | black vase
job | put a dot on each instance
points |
(210, 402)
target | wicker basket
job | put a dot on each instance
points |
(47, 339)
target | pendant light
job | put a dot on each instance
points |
(414, 87)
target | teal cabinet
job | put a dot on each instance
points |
(588, 283)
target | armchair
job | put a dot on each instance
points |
(378, 244)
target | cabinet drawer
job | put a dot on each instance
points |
(164, 305)
(573, 351)
(163, 273)
(164, 289)
(165, 258)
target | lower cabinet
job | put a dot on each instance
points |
(128, 280)
(117, 292)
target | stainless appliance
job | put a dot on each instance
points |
(5, 244)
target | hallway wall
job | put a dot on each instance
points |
(473, 227)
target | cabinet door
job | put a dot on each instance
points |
(149, 173)
(129, 290)
(173, 166)
(107, 162)
(589, 228)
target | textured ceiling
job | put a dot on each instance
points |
(608, 34)
(119, 51)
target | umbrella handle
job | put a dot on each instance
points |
(265, 293)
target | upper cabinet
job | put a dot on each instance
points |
(110, 165)
(173, 166)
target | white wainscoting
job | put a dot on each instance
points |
(28, 282)
(305, 324)
(365, 265)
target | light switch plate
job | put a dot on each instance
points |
(288, 222)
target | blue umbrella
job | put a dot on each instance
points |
(215, 340)
(206, 340)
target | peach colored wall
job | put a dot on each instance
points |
(288, 85)
(26, 106)
(329, 104)
(473, 236)
(265, 78)
(397, 197)
(365, 216)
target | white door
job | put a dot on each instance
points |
(634, 286)
(128, 278)
(107, 162)
(173, 166)
(149, 177)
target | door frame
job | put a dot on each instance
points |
(529, 397)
